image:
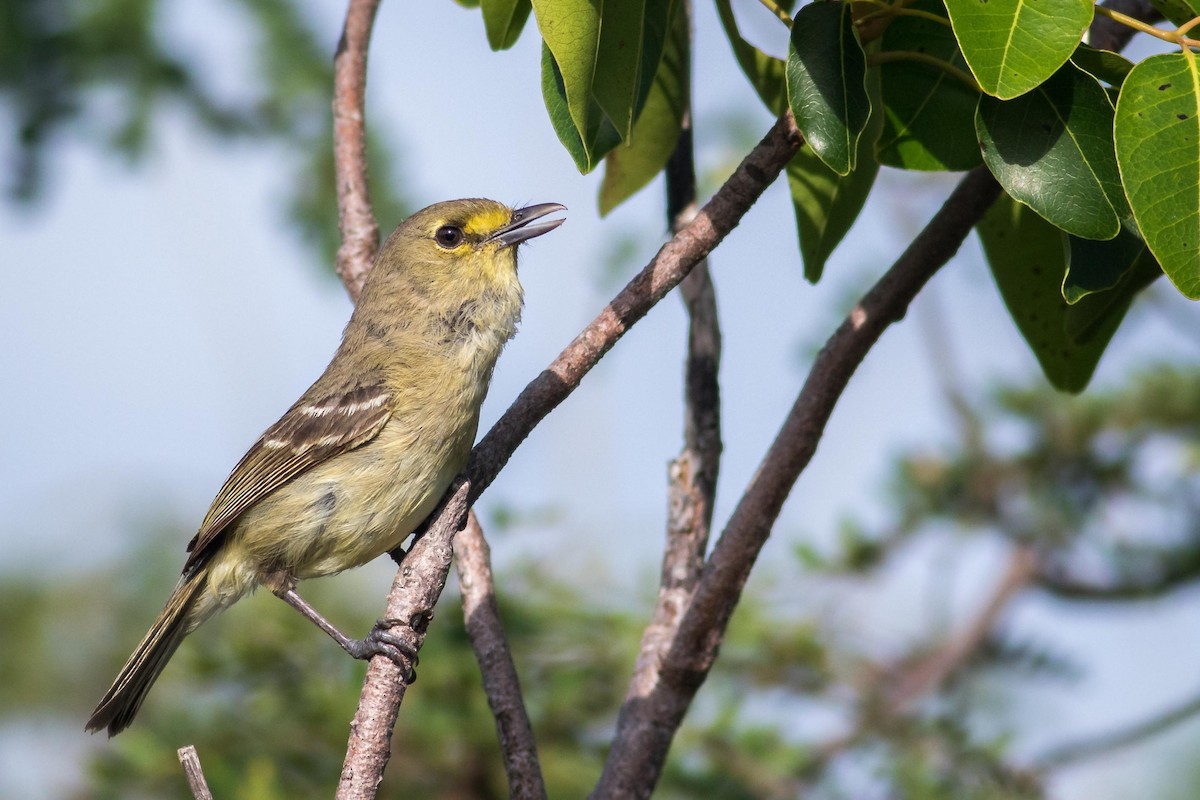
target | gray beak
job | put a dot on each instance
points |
(519, 230)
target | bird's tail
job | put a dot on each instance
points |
(123, 699)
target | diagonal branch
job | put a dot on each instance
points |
(647, 723)
(500, 681)
(935, 669)
(423, 573)
(674, 260)
(1068, 754)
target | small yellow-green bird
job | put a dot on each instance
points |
(366, 453)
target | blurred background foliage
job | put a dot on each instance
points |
(267, 699)
(104, 71)
(1103, 488)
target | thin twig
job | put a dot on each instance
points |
(647, 724)
(1109, 34)
(360, 232)
(194, 773)
(1069, 754)
(500, 681)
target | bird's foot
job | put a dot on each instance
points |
(382, 642)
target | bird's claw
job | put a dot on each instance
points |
(382, 642)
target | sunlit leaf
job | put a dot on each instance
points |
(929, 121)
(1052, 149)
(1157, 133)
(630, 167)
(503, 20)
(767, 74)
(586, 149)
(632, 36)
(1014, 45)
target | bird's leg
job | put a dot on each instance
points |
(380, 640)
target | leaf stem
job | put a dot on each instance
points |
(883, 57)
(778, 11)
(898, 10)
(1174, 37)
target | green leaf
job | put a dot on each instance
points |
(826, 204)
(571, 31)
(766, 74)
(1052, 149)
(503, 20)
(632, 35)
(929, 121)
(1103, 65)
(630, 167)
(1028, 260)
(826, 83)
(1157, 133)
(1014, 45)
(1095, 316)
(588, 148)
(1094, 266)
(1178, 11)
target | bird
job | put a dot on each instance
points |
(363, 457)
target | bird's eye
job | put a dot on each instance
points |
(449, 236)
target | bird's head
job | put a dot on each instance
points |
(465, 248)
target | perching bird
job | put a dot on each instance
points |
(366, 453)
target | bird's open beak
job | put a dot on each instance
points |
(519, 230)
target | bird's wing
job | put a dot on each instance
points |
(318, 427)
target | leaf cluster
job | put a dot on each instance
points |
(1097, 155)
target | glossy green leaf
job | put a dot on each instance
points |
(1178, 11)
(586, 148)
(1094, 266)
(632, 36)
(571, 32)
(1052, 149)
(929, 121)
(1103, 65)
(826, 204)
(1014, 45)
(1093, 318)
(1157, 133)
(1028, 259)
(766, 74)
(503, 20)
(826, 83)
(630, 167)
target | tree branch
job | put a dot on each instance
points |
(935, 669)
(500, 681)
(194, 773)
(693, 475)
(647, 724)
(1108, 34)
(423, 574)
(360, 232)
(1090, 748)
(673, 261)
(418, 585)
